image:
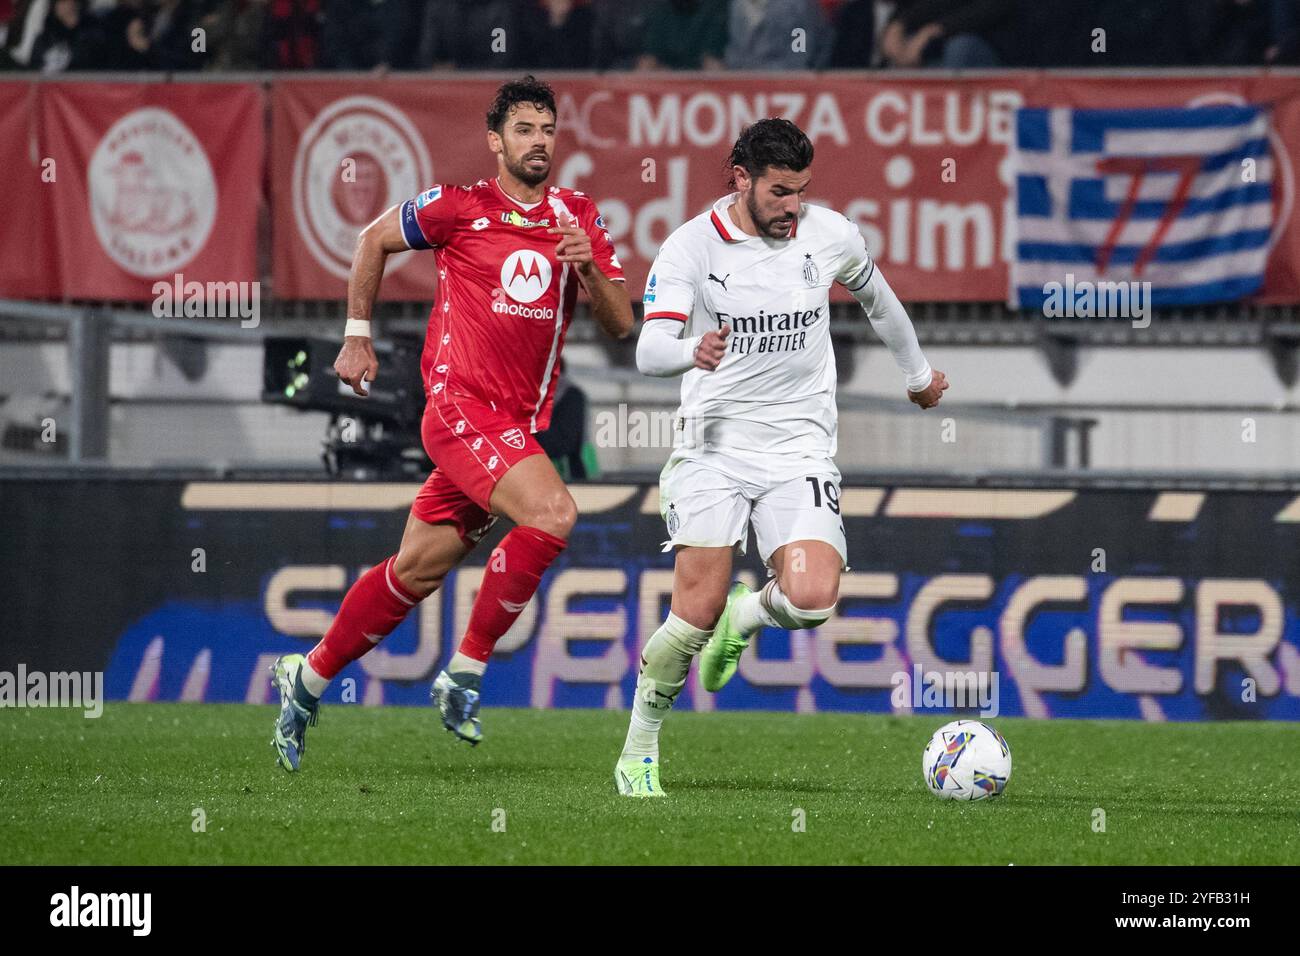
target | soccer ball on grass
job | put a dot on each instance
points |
(966, 760)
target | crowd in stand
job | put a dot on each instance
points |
(53, 36)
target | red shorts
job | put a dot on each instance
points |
(472, 446)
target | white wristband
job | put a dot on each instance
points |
(925, 376)
(359, 327)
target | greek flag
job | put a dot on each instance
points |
(1178, 198)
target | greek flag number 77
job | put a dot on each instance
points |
(1138, 167)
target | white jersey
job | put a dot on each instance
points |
(774, 391)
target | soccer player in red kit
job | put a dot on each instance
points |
(511, 253)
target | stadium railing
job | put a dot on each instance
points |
(85, 388)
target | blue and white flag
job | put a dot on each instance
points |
(1181, 199)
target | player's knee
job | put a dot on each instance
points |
(811, 603)
(555, 513)
(702, 609)
(801, 618)
(810, 590)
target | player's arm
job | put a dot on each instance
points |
(669, 298)
(609, 300)
(379, 240)
(662, 352)
(925, 386)
(424, 222)
(592, 259)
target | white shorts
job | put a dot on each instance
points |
(708, 500)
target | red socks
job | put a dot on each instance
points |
(378, 602)
(509, 582)
(373, 606)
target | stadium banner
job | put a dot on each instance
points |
(926, 167)
(29, 265)
(1186, 184)
(1046, 602)
(129, 184)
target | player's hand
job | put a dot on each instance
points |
(929, 396)
(574, 245)
(713, 345)
(357, 361)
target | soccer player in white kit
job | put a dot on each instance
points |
(737, 303)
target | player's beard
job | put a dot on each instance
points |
(520, 169)
(766, 225)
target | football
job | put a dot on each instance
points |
(966, 760)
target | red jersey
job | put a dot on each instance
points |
(503, 302)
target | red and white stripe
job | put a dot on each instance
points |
(555, 350)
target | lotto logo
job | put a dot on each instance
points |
(446, 338)
(441, 368)
(437, 388)
(479, 224)
(492, 462)
(478, 443)
(460, 426)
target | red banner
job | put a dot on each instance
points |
(652, 152)
(342, 153)
(126, 184)
(920, 164)
(28, 266)
(170, 175)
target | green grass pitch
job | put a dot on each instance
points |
(386, 785)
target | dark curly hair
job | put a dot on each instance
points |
(528, 90)
(769, 142)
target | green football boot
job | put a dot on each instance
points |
(638, 777)
(290, 739)
(457, 700)
(720, 657)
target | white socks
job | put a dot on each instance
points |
(666, 660)
(750, 614)
(460, 664)
(315, 685)
(312, 682)
(769, 607)
(665, 663)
